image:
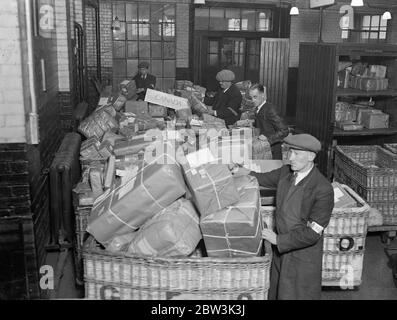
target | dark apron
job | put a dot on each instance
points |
(295, 274)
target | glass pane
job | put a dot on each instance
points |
(233, 24)
(119, 68)
(382, 35)
(169, 68)
(168, 83)
(156, 50)
(156, 13)
(131, 12)
(155, 31)
(383, 23)
(120, 34)
(144, 31)
(248, 20)
(159, 84)
(373, 35)
(375, 22)
(143, 12)
(132, 49)
(132, 68)
(213, 46)
(144, 49)
(157, 68)
(119, 11)
(232, 13)
(169, 11)
(169, 30)
(119, 49)
(217, 20)
(345, 34)
(132, 31)
(169, 50)
(263, 21)
(213, 59)
(366, 21)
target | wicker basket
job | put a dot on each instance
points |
(121, 276)
(392, 147)
(372, 172)
(344, 242)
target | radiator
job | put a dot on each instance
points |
(64, 174)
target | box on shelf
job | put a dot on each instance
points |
(349, 125)
(375, 119)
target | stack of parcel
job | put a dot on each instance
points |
(159, 213)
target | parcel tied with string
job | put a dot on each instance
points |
(236, 230)
(174, 231)
(212, 186)
(127, 207)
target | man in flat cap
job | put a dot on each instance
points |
(227, 101)
(304, 203)
(144, 80)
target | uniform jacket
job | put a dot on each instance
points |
(227, 105)
(148, 82)
(297, 260)
(272, 126)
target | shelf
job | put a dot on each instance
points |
(361, 93)
(365, 132)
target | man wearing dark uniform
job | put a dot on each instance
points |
(305, 200)
(144, 80)
(227, 101)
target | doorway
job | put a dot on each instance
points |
(239, 55)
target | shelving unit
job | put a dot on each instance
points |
(318, 94)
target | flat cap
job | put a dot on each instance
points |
(225, 75)
(303, 142)
(143, 64)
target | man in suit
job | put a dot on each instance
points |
(304, 203)
(270, 124)
(227, 101)
(144, 80)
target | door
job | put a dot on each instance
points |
(222, 53)
(274, 61)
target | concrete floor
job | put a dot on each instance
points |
(377, 280)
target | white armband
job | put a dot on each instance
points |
(315, 227)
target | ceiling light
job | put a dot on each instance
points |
(357, 3)
(386, 15)
(294, 11)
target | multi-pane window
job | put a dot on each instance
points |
(147, 33)
(367, 28)
(233, 19)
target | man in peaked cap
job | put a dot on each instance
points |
(227, 101)
(144, 80)
(305, 200)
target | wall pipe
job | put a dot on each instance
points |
(33, 116)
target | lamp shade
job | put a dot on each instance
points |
(294, 11)
(357, 3)
(386, 15)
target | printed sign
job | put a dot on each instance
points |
(321, 3)
(166, 100)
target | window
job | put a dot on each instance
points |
(233, 19)
(147, 33)
(367, 28)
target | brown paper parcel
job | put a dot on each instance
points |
(212, 187)
(127, 207)
(173, 231)
(236, 230)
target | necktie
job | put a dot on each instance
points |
(293, 180)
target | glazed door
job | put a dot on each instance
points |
(222, 53)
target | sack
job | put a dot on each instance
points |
(99, 122)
